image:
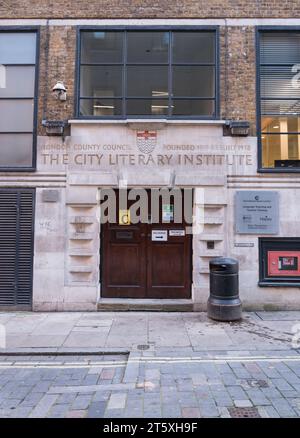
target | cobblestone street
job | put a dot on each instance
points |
(206, 369)
(150, 385)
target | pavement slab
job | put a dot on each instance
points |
(143, 364)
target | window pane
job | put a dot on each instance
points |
(189, 47)
(16, 115)
(280, 107)
(105, 47)
(279, 82)
(16, 150)
(185, 107)
(144, 81)
(100, 107)
(281, 150)
(151, 47)
(193, 81)
(17, 48)
(280, 48)
(280, 124)
(101, 81)
(147, 107)
(16, 81)
(147, 85)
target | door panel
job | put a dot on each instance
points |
(169, 273)
(124, 261)
(166, 265)
(134, 266)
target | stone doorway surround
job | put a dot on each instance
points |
(70, 260)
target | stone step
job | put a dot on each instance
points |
(208, 220)
(126, 304)
(81, 236)
(81, 220)
(80, 269)
(212, 253)
(81, 253)
(209, 237)
(203, 269)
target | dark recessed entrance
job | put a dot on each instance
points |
(146, 260)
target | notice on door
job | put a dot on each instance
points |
(176, 233)
(124, 217)
(159, 235)
(167, 212)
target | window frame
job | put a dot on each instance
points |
(264, 245)
(258, 31)
(36, 30)
(149, 28)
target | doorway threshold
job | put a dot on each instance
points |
(152, 305)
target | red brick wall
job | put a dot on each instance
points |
(149, 8)
(237, 72)
(237, 44)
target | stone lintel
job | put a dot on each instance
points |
(93, 179)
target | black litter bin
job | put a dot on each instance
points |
(224, 303)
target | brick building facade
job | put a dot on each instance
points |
(67, 239)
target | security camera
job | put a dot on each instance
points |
(60, 91)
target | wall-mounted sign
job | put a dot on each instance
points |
(159, 235)
(256, 212)
(284, 263)
(167, 212)
(176, 233)
(244, 245)
(50, 195)
(124, 217)
(279, 261)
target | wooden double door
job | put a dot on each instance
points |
(146, 260)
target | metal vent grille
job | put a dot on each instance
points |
(244, 413)
(16, 246)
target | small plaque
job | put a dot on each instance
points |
(50, 195)
(176, 233)
(256, 212)
(159, 235)
(124, 217)
(244, 245)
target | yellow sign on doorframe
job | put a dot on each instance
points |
(124, 217)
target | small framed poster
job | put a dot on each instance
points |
(279, 262)
(283, 263)
(167, 212)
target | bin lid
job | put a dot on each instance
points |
(224, 265)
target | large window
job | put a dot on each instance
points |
(147, 73)
(280, 99)
(17, 104)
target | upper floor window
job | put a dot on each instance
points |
(17, 91)
(280, 99)
(147, 74)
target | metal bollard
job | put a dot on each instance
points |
(224, 303)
